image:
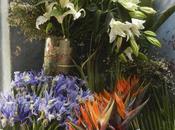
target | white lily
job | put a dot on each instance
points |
(41, 20)
(76, 13)
(64, 4)
(136, 26)
(117, 29)
(126, 29)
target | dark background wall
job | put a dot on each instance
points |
(25, 55)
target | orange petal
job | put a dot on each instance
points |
(106, 95)
(120, 106)
(86, 118)
(96, 109)
(123, 86)
(94, 116)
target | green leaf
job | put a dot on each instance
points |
(154, 41)
(134, 47)
(133, 113)
(150, 33)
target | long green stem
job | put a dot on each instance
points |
(62, 27)
(82, 74)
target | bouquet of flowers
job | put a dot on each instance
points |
(63, 102)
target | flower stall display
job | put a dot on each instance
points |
(99, 41)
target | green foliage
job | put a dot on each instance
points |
(159, 114)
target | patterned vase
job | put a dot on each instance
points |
(57, 57)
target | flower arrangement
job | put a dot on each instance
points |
(112, 110)
(63, 102)
(104, 35)
(64, 13)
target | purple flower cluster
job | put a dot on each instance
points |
(40, 97)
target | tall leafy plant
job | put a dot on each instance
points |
(160, 115)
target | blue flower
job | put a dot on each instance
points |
(23, 109)
(29, 78)
(43, 98)
(8, 109)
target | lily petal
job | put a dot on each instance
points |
(41, 20)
